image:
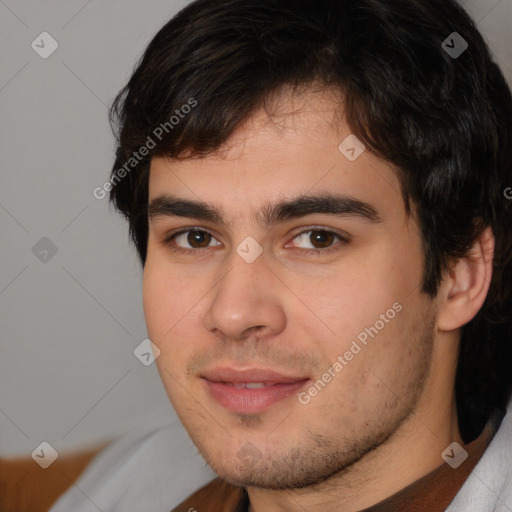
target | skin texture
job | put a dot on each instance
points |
(382, 421)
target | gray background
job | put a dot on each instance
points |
(69, 325)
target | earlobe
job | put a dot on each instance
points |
(466, 285)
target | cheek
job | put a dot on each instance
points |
(370, 316)
(162, 310)
(163, 302)
(173, 316)
(156, 301)
(345, 304)
(168, 294)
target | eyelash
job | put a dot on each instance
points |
(343, 240)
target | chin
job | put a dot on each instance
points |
(294, 469)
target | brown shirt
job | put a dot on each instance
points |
(433, 492)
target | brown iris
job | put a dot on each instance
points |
(198, 239)
(322, 238)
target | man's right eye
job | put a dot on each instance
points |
(190, 241)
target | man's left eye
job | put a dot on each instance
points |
(318, 239)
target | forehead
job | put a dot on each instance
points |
(303, 149)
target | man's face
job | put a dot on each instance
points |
(291, 344)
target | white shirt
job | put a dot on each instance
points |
(152, 468)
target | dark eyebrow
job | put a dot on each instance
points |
(271, 214)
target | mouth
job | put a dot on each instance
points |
(251, 391)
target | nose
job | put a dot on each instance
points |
(248, 301)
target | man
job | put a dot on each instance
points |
(316, 193)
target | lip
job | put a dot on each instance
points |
(277, 387)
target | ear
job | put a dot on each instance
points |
(464, 289)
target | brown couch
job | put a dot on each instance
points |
(26, 487)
